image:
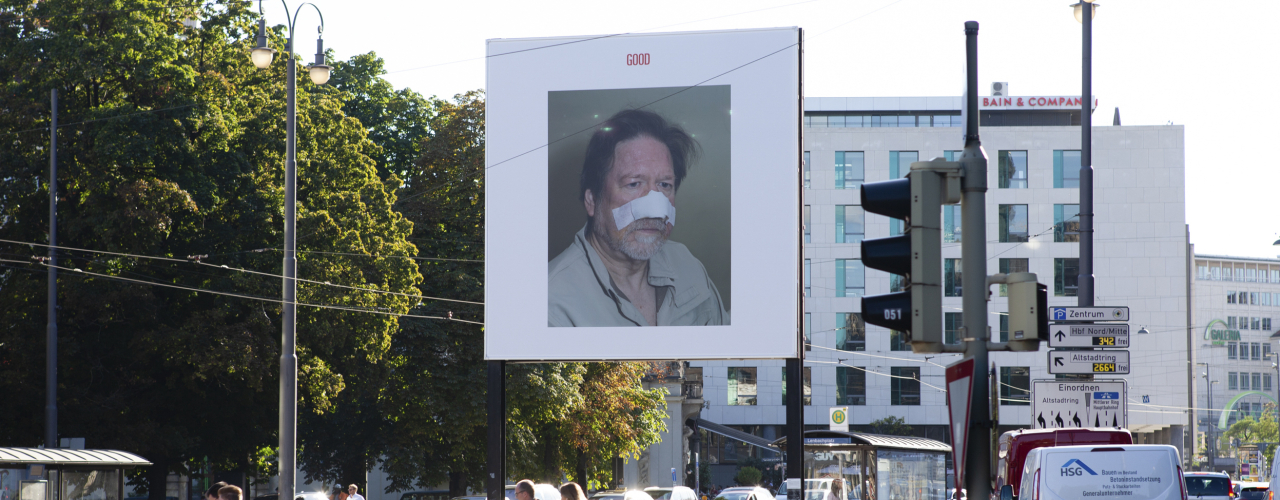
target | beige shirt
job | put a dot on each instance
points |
(581, 293)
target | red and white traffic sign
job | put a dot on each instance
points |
(959, 400)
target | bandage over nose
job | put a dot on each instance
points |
(653, 205)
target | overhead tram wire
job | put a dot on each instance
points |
(197, 261)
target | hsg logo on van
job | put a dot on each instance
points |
(1080, 470)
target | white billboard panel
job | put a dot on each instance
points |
(593, 147)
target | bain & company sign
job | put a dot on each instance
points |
(1221, 334)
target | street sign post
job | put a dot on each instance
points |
(1089, 362)
(1099, 313)
(1084, 403)
(959, 399)
(1100, 335)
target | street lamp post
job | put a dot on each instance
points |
(319, 73)
(1210, 442)
(1085, 10)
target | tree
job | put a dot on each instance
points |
(748, 476)
(173, 147)
(891, 425)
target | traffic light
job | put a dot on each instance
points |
(1028, 312)
(916, 255)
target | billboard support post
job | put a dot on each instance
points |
(496, 475)
(977, 473)
(795, 423)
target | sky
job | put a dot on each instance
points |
(1208, 66)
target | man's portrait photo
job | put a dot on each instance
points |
(623, 163)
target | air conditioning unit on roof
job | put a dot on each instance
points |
(999, 88)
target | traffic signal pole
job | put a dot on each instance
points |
(977, 468)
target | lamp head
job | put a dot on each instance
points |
(319, 71)
(1143, 331)
(1078, 9)
(261, 55)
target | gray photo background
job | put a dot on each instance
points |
(703, 200)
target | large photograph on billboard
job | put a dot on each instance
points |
(591, 157)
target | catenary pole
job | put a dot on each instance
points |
(51, 336)
(977, 467)
(289, 346)
(1084, 291)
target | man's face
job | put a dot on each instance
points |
(640, 165)
(523, 495)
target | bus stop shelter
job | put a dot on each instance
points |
(64, 474)
(876, 466)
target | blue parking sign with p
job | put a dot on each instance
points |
(1059, 313)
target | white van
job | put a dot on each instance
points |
(1113, 472)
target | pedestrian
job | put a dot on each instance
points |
(571, 491)
(524, 490)
(212, 492)
(231, 492)
(339, 493)
(352, 493)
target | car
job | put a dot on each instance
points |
(1253, 490)
(745, 493)
(671, 493)
(1209, 486)
(311, 495)
(814, 489)
(425, 495)
(471, 497)
(619, 495)
(1109, 472)
(543, 491)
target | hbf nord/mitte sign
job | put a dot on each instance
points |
(1221, 334)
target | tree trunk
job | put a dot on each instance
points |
(580, 472)
(157, 479)
(457, 484)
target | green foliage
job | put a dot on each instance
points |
(174, 146)
(1249, 431)
(891, 425)
(748, 476)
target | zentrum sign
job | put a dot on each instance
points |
(1034, 102)
(1221, 334)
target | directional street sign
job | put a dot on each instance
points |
(1089, 335)
(1069, 403)
(1085, 362)
(1120, 313)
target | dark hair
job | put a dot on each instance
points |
(571, 491)
(626, 125)
(230, 493)
(526, 486)
(213, 490)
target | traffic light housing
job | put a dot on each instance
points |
(1028, 312)
(916, 255)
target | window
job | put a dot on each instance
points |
(897, 283)
(1013, 223)
(742, 386)
(1231, 296)
(1004, 327)
(1264, 299)
(904, 387)
(951, 223)
(1066, 223)
(808, 277)
(1256, 378)
(1232, 382)
(1266, 325)
(952, 154)
(851, 386)
(1231, 348)
(1253, 300)
(806, 169)
(1266, 382)
(1255, 351)
(951, 277)
(852, 332)
(1275, 275)
(1266, 351)
(899, 341)
(1216, 272)
(1066, 276)
(808, 385)
(1243, 298)
(1013, 266)
(850, 278)
(808, 331)
(1202, 272)
(849, 169)
(900, 163)
(1231, 322)
(808, 226)
(951, 323)
(1066, 169)
(1015, 385)
(1251, 274)
(849, 227)
(1013, 169)
(1255, 323)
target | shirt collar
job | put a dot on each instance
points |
(662, 273)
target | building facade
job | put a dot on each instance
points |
(1236, 318)
(1141, 261)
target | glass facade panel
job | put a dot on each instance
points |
(742, 386)
(900, 163)
(1066, 169)
(852, 333)
(808, 385)
(851, 386)
(899, 341)
(850, 278)
(90, 485)
(806, 169)
(951, 323)
(1013, 169)
(808, 277)
(1015, 385)
(849, 223)
(849, 169)
(1013, 224)
(904, 387)
(808, 226)
(1066, 275)
(1012, 266)
(951, 223)
(951, 278)
(1066, 223)
(1004, 327)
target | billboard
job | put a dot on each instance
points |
(593, 146)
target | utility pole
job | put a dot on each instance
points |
(977, 470)
(1084, 291)
(51, 336)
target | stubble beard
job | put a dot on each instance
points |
(629, 240)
